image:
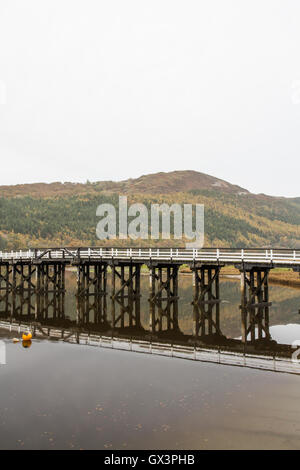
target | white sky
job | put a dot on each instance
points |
(114, 89)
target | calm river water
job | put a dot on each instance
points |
(56, 395)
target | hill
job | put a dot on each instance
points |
(157, 183)
(178, 181)
(65, 213)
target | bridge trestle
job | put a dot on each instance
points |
(206, 303)
(32, 286)
(50, 278)
(5, 277)
(5, 287)
(50, 305)
(49, 289)
(23, 277)
(91, 293)
(126, 295)
(255, 303)
(164, 298)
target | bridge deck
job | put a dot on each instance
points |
(264, 257)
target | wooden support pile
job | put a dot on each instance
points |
(126, 296)
(91, 293)
(206, 303)
(164, 298)
(255, 304)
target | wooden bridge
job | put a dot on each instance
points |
(42, 272)
(265, 257)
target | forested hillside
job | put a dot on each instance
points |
(65, 214)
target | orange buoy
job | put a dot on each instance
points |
(26, 336)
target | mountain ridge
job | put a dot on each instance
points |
(153, 183)
(158, 183)
(53, 214)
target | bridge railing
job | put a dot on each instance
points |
(222, 255)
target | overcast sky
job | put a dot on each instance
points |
(112, 89)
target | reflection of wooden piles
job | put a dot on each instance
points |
(23, 305)
(50, 290)
(206, 303)
(5, 305)
(91, 293)
(269, 356)
(255, 304)
(50, 305)
(163, 299)
(126, 297)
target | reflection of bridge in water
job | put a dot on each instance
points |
(115, 322)
(32, 284)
